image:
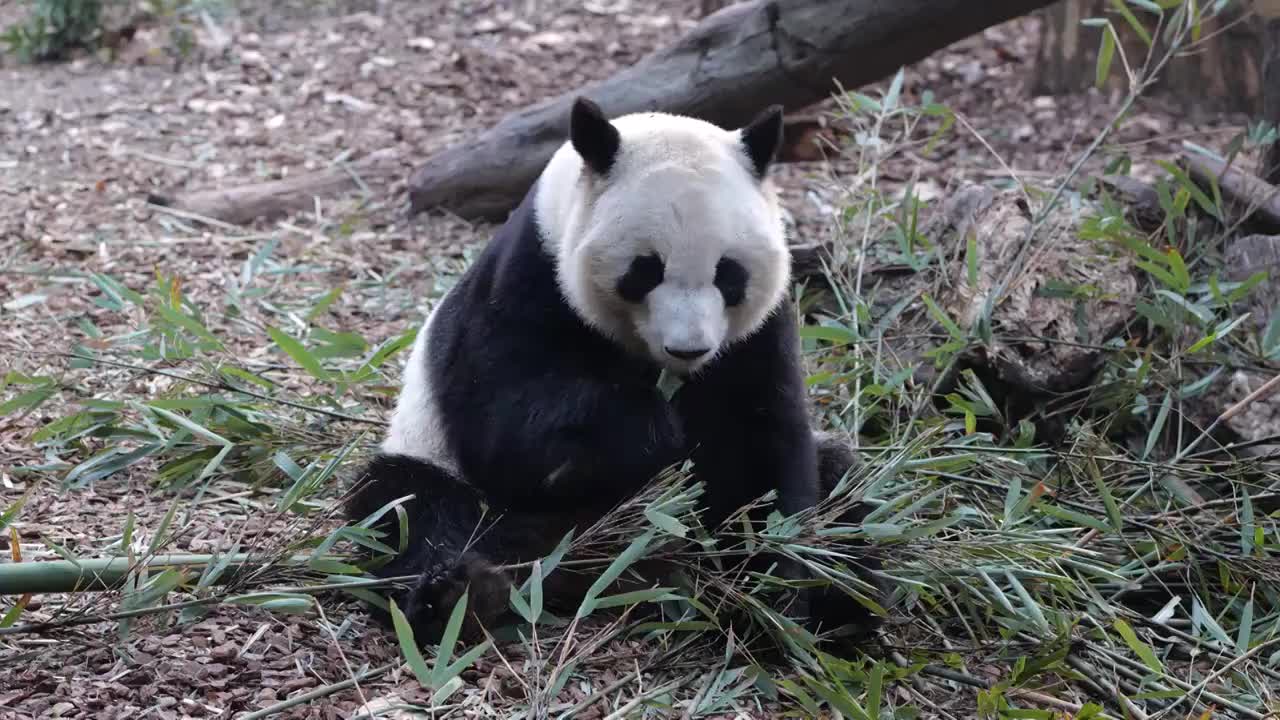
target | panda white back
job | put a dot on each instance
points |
(417, 427)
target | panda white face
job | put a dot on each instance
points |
(669, 239)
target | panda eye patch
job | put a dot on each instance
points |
(731, 279)
(644, 275)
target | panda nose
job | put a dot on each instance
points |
(683, 354)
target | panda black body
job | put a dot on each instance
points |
(540, 411)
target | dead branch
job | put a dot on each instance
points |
(724, 70)
(1254, 198)
(1141, 199)
(274, 198)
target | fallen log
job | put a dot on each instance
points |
(804, 139)
(274, 198)
(724, 70)
(1251, 198)
(1141, 199)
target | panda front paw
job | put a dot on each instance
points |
(432, 599)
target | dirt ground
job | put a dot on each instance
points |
(270, 93)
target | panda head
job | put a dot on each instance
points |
(667, 235)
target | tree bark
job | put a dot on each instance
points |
(274, 198)
(709, 7)
(725, 70)
(1270, 170)
(1223, 74)
(1246, 199)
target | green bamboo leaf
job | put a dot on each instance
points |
(158, 540)
(448, 640)
(190, 426)
(1245, 631)
(1140, 648)
(971, 258)
(894, 91)
(254, 264)
(875, 686)
(1152, 7)
(831, 333)
(635, 597)
(945, 320)
(299, 353)
(1157, 427)
(837, 699)
(1271, 338)
(624, 560)
(1246, 522)
(1132, 20)
(409, 646)
(238, 373)
(806, 701)
(1203, 314)
(447, 689)
(1105, 55)
(189, 324)
(1012, 495)
(1072, 517)
(29, 400)
(1161, 274)
(116, 291)
(324, 303)
(665, 522)
(466, 659)
(518, 602)
(1108, 500)
(669, 384)
(388, 349)
(10, 513)
(12, 615)
(1184, 180)
(1201, 619)
(156, 588)
(1179, 269)
(534, 606)
(566, 671)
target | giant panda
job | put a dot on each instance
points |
(530, 405)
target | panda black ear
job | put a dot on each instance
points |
(762, 137)
(593, 136)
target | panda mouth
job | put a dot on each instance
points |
(681, 367)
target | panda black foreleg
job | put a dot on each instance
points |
(829, 606)
(449, 546)
(455, 546)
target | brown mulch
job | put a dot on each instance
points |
(82, 144)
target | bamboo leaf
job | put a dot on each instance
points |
(1108, 500)
(190, 426)
(945, 320)
(1139, 648)
(448, 640)
(1132, 20)
(635, 597)
(299, 353)
(1105, 55)
(624, 560)
(1157, 427)
(535, 592)
(409, 646)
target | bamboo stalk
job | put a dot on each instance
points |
(34, 627)
(102, 574)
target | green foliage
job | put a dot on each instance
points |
(55, 27)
